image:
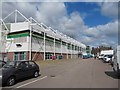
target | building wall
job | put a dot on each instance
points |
(38, 46)
(15, 27)
(69, 56)
(37, 43)
(12, 47)
(37, 56)
(40, 55)
(64, 56)
(10, 55)
(49, 46)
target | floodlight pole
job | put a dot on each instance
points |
(15, 16)
(30, 50)
(71, 50)
(67, 50)
(61, 46)
(44, 44)
(78, 51)
(54, 45)
(74, 52)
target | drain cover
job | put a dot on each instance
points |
(52, 75)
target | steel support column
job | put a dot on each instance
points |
(61, 47)
(44, 45)
(67, 50)
(54, 46)
(30, 49)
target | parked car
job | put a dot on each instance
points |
(105, 52)
(101, 56)
(85, 56)
(15, 70)
(107, 58)
(111, 61)
(90, 55)
(2, 63)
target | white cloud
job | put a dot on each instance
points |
(87, 40)
(50, 13)
(102, 34)
(110, 29)
(27, 9)
(109, 8)
(72, 24)
(92, 32)
(55, 15)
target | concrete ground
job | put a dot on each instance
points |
(73, 73)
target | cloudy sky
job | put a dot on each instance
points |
(92, 23)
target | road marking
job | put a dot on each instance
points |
(31, 82)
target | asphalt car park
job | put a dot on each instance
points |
(74, 73)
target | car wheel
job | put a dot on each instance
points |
(11, 81)
(36, 74)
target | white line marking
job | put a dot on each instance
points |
(31, 82)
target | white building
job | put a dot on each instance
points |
(35, 41)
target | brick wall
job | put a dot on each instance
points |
(10, 55)
(64, 56)
(37, 56)
(69, 56)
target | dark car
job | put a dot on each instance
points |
(85, 57)
(16, 70)
(2, 63)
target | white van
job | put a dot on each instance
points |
(105, 52)
(116, 61)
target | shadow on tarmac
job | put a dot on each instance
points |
(112, 74)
